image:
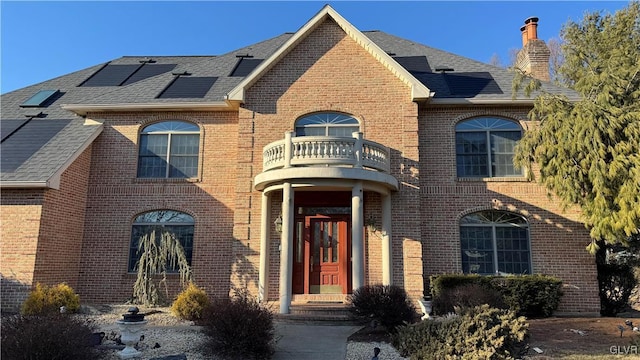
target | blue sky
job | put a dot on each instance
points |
(43, 40)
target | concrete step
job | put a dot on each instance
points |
(318, 313)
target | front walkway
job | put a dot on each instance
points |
(312, 342)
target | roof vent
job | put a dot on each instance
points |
(147, 61)
(443, 69)
(183, 73)
(34, 114)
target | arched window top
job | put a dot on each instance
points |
(327, 124)
(163, 216)
(487, 124)
(493, 217)
(170, 126)
(327, 118)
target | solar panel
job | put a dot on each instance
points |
(28, 140)
(111, 75)
(245, 66)
(147, 71)
(414, 63)
(472, 83)
(40, 98)
(9, 126)
(188, 87)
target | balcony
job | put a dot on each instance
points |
(325, 157)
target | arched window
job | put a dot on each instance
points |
(327, 124)
(169, 149)
(158, 222)
(495, 242)
(485, 146)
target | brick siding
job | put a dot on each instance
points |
(116, 196)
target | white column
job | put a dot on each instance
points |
(286, 248)
(357, 238)
(265, 227)
(387, 270)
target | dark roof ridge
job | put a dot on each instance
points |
(166, 56)
(234, 51)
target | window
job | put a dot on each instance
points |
(327, 124)
(484, 147)
(169, 150)
(178, 223)
(495, 242)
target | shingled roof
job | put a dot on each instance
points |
(57, 132)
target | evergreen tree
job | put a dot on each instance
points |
(588, 152)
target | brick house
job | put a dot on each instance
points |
(300, 167)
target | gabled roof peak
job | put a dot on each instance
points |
(418, 90)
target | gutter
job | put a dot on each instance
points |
(83, 109)
(31, 184)
(467, 101)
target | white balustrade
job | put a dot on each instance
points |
(326, 150)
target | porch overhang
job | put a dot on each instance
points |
(324, 176)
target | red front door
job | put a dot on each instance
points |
(321, 255)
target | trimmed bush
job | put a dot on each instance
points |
(439, 283)
(480, 332)
(464, 296)
(239, 328)
(387, 304)
(45, 337)
(532, 296)
(49, 299)
(190, 303)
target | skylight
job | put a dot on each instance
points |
(39, 99)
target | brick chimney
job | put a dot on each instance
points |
(533, 58)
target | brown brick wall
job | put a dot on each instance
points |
(116, 196)
(558, 239)
(62, 225)
(20, 215)
(328, 71)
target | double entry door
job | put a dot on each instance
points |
(322, 255)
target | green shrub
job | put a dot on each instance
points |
(533, 296)
(481, 332)
(616, 282)
(466, 295)
(49, 299)
(190, 303)
(387, 304)
(239, 328)
(45, 337)
(425, 336)
(528, 295)
(439, 283)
